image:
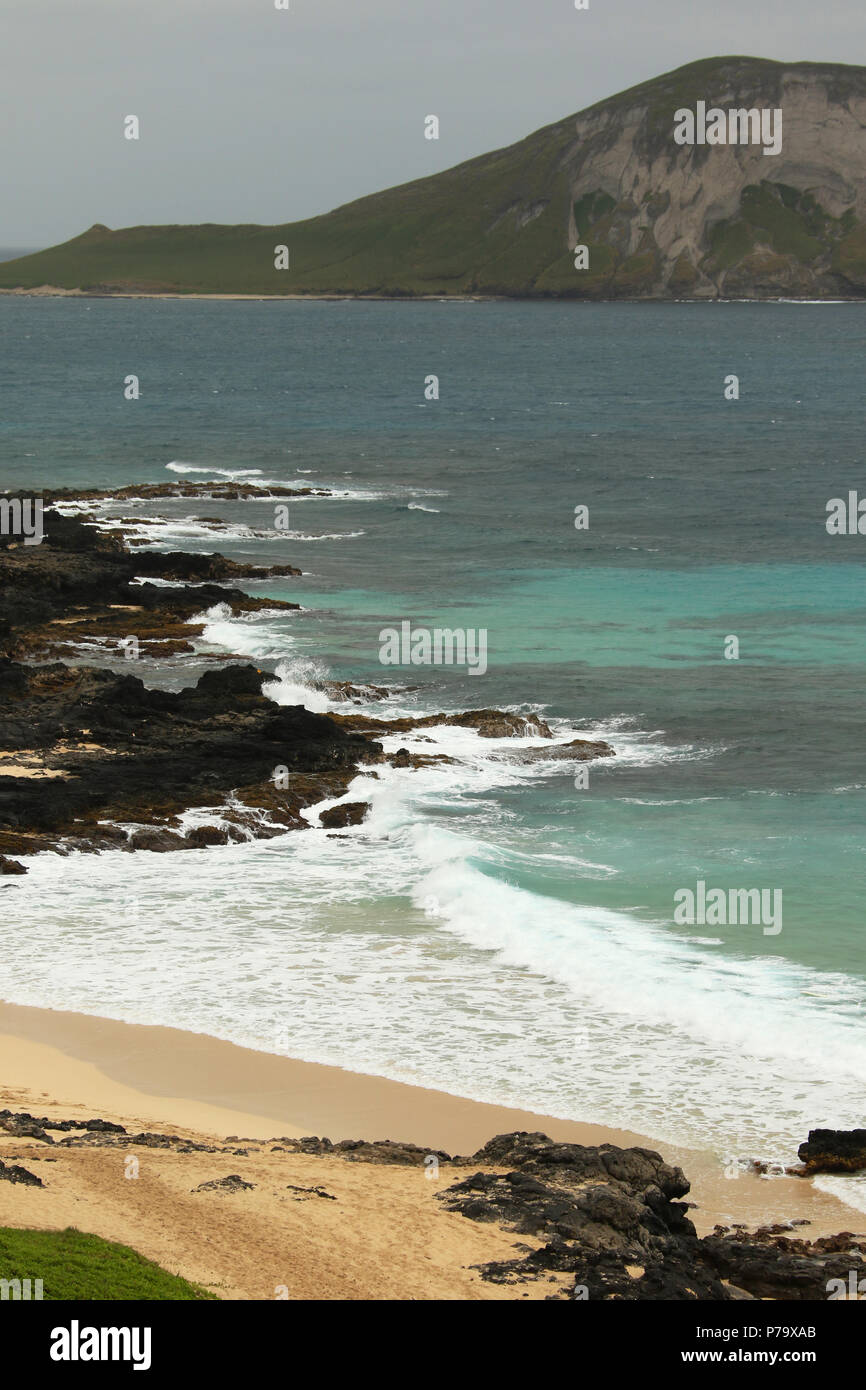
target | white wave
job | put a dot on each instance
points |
(293, 685)
(483, 989)
(155, 532)
(246, 635)
(75, 508)
(417, 507)
(325, 536)
(177, 466)
(848, 1187)
(168, 583)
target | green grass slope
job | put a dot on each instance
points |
(500, 224)
(76, 1266)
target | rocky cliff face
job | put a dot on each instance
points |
(726, 219)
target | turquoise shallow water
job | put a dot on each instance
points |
(494, 929)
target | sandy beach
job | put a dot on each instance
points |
(384, 1236)
(58, 292)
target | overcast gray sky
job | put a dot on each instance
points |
(252, 114)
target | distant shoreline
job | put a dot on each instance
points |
(57, 292)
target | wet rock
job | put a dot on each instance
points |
(490, 723)
(196, 568)
(11, 866)
(157, 841)
(403, 758)
(779, 1268)
(349, 813)
(357, 694)
(79, 585)
(143, 756)
(579, 750)
(215, 491)
(834, 1151)
(493, 723)
(202, 835)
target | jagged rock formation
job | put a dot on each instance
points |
(81, 748)
(115, 751)
(611, 1217)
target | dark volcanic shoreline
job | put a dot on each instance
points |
(93, 760)
(90, 746)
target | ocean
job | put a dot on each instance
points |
(495, 929)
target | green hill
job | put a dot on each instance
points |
(659, 219)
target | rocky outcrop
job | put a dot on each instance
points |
(77, 588)
(213, 491)
(834, 1151)
(114, 750)
(770, 1264)
(578, 750)
(13, 1172)
(347, 813)
(82, 748)
(612, 1219)
(488, 723)
(233, 1183)
(609, 1216)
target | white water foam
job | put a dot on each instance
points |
(848, 1187)
(404, 947)
(400, 948)
(177, 466)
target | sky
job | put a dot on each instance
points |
(252, 114)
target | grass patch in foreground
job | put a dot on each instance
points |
(73, 1265)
